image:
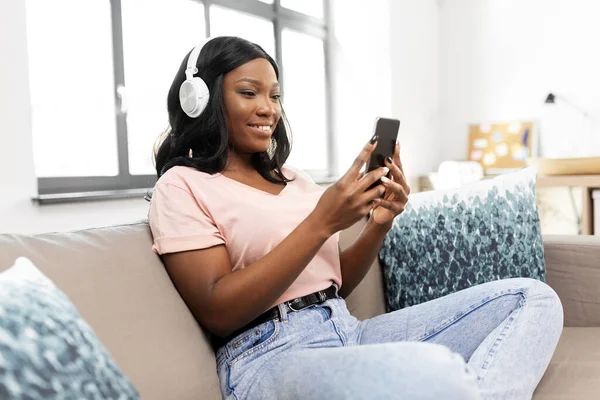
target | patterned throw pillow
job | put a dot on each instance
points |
(450, 240)
(47, 351)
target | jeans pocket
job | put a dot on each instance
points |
(252, 341)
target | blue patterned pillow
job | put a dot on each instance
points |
(47, 351)
(450, 240)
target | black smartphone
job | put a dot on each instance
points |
(386, 130)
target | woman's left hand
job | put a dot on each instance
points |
(396, 194)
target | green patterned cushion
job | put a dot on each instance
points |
(450, 240)
(47, 350)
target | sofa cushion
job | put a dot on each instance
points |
(121, 288)
(574, 370)
(573, 271)
(449, 240)
(46, 349)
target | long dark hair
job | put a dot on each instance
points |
(201, 142)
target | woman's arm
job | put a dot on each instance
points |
(223, 301)
(357, 259)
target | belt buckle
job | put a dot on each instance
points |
(322, 297)
(289, 303)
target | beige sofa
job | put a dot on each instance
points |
(121, 288)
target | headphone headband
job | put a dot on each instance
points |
(191, 69)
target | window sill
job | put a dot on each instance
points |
(326, 181)
(63, 198)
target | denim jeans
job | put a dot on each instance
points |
(491, 341)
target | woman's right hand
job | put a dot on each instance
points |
(348, 200)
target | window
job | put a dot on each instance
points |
(313, 8)
(305, 98)
(228, 22)
(71, 78)
(100, 71)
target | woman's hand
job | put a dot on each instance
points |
(396, 194)
(349, 199)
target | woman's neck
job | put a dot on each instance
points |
(240, 162)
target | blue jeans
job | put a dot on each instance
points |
(491, 341)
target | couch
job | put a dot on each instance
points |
(122, 290)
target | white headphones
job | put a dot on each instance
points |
(193, 93)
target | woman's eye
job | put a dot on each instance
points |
(276, 97)
(247, 94)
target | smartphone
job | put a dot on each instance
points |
(386, 130)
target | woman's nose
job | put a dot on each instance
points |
(266, 108)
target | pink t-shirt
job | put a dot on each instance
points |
(195, 210)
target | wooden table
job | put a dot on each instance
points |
(587, 183)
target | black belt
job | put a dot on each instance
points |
(290, 306)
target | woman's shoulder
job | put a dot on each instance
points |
(181, 183)
(182, 176)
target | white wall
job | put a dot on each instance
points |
(16, 159)
(361, 73)
(499, 59)
(415, 84)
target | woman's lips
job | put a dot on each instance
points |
(260, 132)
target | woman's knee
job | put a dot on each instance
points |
(543, 293)
(540, 292)
(543, 290)
(542, 296)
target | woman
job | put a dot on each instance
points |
(252, 246)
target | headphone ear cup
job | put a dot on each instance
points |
(193, 96)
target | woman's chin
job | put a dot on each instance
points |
(261, 145)
(263, 150)
(253, 149)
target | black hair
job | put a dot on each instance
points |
(202, 142)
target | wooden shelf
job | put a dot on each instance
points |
(591, 181)
(587, 183)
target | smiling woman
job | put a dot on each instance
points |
(252, 246)
(243, 124)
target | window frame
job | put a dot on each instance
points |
(126, 185)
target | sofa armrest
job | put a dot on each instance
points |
(573, 271)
